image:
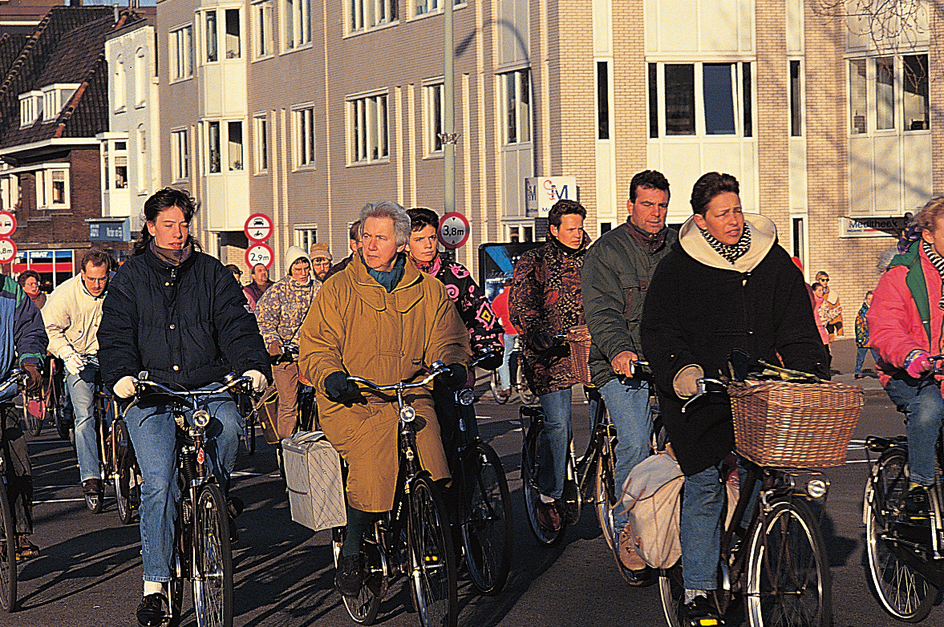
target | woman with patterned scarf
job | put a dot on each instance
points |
(906, 324)
(726, 285)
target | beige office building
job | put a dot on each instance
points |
(305, 111)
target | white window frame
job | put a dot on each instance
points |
(232, 163)
(120, 93)
(303, 135)
(140, 78)
(210, 40)
(305, 236)
(9, 192)
(142, 159)
(180, 154)
(523, 111)
(45, 183)
(434, 114)
(363, 15)
(54, 99)
(368, 128)
(181, 49)
(423, 8)
(228, 39)
(264, 45)
(112, 150)
(871, 96)
(260, 130)
(227, 158)
(31, 107)
(295, 25)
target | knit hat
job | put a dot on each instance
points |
(320, 251)
(293, 254)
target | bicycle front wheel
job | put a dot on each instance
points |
(605, 493)
(532, 497)
(212, 560)
(487, 528)
(433, 567)
(364, 607)
(672, 594)
(902, 590)
(788, 579)
(8, 550)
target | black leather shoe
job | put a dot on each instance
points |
(350, 577)
(702, 613)
(151, 610)
(92, 487)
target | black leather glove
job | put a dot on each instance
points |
(455, 376)
(35, 382)
(492, 362)
(541, 340)
(338, 388)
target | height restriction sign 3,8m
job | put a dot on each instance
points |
(454, 230)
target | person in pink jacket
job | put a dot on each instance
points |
(905, 321)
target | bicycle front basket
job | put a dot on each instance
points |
(795, 425)
(579, 339)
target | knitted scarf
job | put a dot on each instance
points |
(938, 262)
(731, 252)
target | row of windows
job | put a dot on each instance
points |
(52, 188)
(366, 14)
(889, 93)
(119, 90)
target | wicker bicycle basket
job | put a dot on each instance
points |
(795, 425)
(578, 338)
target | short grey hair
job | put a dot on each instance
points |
(389, 209)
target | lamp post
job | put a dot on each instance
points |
(449, 136)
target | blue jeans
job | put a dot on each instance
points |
(921, 403)
(82, 392)
(555, 440)
(154, 436)
(700, 528)
(628, 404)
(860, 357)
(504, 371)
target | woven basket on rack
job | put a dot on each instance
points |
(795, 425)
(579, 339)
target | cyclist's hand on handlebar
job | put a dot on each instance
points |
(918, 362)
(258, 380)
(338, 388)
(685, 382)
(455, 376)
(74, 363)
(623, 363)
(541, 340)
(35, 382)
(275, 349)
(125, 387)
(491, 362)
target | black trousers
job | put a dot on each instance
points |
(17, 469)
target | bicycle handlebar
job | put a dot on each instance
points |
(703, 389)
(187, 396)
(483, 356)
(17, 375)
(438, 368)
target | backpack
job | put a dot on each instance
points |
(652, 500)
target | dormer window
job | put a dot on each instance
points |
(31, 107)
(55, 98)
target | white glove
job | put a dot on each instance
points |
(74, 363)
(258, 380)
(125, 387)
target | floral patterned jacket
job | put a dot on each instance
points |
(546, 296)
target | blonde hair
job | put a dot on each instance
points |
(927, 217)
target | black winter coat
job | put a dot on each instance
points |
(697, 313)
(186, 325)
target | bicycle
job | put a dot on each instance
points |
(484, 502)
(47, 404)
(905, 553)
(202, 549)
(413, 538)
(8, 566)
(519, 383)
(777, 563)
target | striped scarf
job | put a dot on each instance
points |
(938, 262)
(731, 252)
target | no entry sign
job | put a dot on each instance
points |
(258, 227)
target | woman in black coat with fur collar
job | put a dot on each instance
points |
(726, 285)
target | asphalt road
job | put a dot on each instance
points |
(89, 572)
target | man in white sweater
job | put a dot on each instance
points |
(71, 316)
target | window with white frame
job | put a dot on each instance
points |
(260, 124)
(434, 112)
(234, 146)
(52, 188)
(233, 40)
(422, 7)
(55, 98)
(796, 99)
(303, 133)
(515, 89)
(889, 94)
(115, 164)
(31, 107)
(306, 235)
(121, 82)
(700, 99)
(262, 29)
(367, 129)
(213, 147)
(181, 53)
(9, 192)
(220, 137)
(180, 155)
(142, 160)
(296, 24)
(211, 40)
(366, 14)
(141, 79)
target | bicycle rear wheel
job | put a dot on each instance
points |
(363, 609)
(672, 594)
(903, 591)
(788, 579)
(487, 529)
(496, 388)
(33, 413)
(8, 562)
(212, 560)
(529, 473)
(433, 575)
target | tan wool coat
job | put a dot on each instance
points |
(355, 326)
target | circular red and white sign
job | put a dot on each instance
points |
(7, 224)
(258, 227)
(259, 253)
(7, 250)
(454, 230)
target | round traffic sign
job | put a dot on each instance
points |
(258, 227)
(454, 230)
(7, 224)
(259, 253)
(7, 250)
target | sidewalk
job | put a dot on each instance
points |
(844, 355)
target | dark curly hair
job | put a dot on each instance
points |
(158, 202)
(710, 185)
(421, 217)
(564, 207)
(648, 179)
